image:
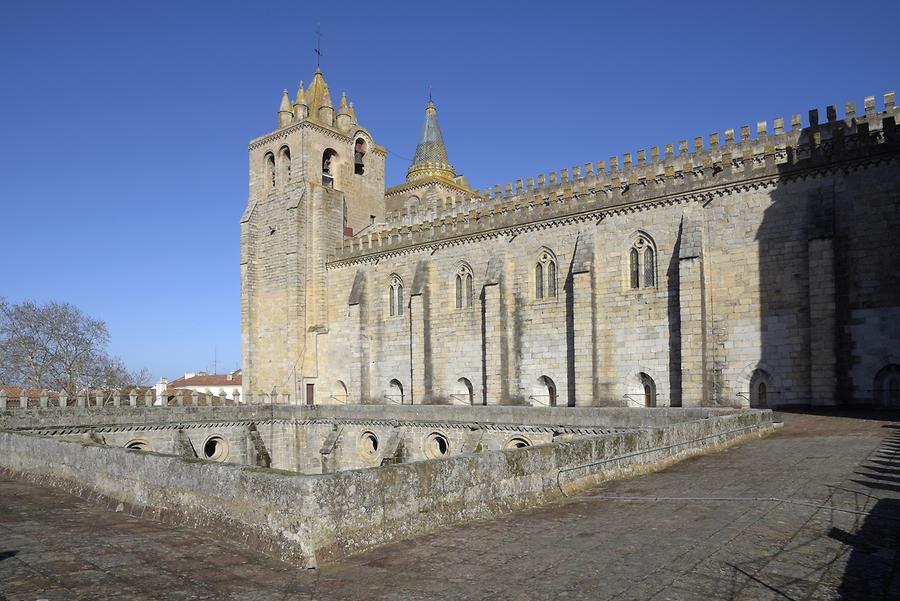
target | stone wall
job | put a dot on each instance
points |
(331, 438)
(767, 253)
(313, 519)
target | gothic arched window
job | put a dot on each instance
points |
(270, 169)
(641, 262)
(545, 275)
(396, 295)
(465, 292)
(649, 265)
(635, 269)
(329, 158)
(359, 153)
(551, 279)
(284, 164)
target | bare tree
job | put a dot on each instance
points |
(56, 346)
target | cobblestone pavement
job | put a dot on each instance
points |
(680, 546)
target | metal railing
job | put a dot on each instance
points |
(537, 398)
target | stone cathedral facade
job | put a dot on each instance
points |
(760, 268)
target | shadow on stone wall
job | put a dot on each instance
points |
(824, 246)
(673, 311)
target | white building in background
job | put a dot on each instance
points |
(204, 383)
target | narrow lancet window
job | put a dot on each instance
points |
(641, 262)
(545, 276)
(359, 153)
(635, 269)
(328, 163)
(270, 169)
(551, 279)
(464, 286)
(396, 296)
(649, 263)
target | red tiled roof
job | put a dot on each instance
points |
(14, 392)
(232, 379)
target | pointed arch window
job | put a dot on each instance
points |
(545, 276)
(551, 279)
(396, 296)
(642, 263)
(270, 170)
(635, 268)
(284, 164)
(359, 153)
(329, 158)
(465, 290)
(649, 264)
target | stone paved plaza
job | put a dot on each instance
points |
(55, 546)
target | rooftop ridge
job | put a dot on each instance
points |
(749, 162)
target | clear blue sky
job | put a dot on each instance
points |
(124, 126)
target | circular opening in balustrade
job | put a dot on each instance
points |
(368, 445)
(215, 448)
(436, 445)
(517, 442)
(138, 445)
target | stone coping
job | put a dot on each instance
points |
(308, 519)
(554, 417)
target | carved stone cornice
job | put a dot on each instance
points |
(700, 194)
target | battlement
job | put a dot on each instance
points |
(707, 163)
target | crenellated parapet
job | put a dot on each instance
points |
(700, 169)
(32, 398)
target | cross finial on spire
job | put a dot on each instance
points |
(318, 46)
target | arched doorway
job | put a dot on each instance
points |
(395, 392)
(887, 386)
(546, 392)
(339, 393)
(648, 389)
(760, 389)
(463, 393)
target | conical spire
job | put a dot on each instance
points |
(315, 92)
(301, 95)
(343, 117)
(326, 100)
(300, 106)
(430, 159)
(285, 114)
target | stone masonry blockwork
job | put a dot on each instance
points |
(765, 273)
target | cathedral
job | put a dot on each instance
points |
(757, 269)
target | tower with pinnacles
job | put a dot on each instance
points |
(717, 275)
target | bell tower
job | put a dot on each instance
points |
(317, 178)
